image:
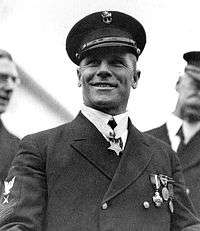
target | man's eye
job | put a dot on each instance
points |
(198, 84)
(117, 62)
(92, 62)
(3, 77)
(195, 83)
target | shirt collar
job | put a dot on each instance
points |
(173, 125)
(190, 129)
(100, 120)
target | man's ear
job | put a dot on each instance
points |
(178, 83)
(79, 77)
(138, 72)
(135, 79)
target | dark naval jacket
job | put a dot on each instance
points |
(189, 157)
(66, 179)
(8, 148)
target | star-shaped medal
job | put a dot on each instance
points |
(115, 147)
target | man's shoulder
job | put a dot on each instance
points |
(160, 149)
(160, 129)
(49, 132)
(160, 132)
(153, 141)
(8, 140)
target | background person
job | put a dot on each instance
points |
(8, 141)
(182, 129)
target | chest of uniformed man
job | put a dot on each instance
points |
(76, 197)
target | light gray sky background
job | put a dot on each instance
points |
(34, 31)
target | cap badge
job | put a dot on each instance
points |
(107, 17)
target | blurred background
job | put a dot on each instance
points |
(34, 32)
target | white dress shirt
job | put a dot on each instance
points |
(100, 121)
(174, 123)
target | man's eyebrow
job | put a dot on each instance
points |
(119, 57)
(197, 81)
(92, 57)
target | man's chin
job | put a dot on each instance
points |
(104, 106)
(192, 116)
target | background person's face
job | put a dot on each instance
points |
(189, 98)
(7, 82)
(106, 79)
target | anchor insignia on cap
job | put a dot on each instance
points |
(107, 17)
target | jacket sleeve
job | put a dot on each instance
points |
(23, 201)
(184, 216)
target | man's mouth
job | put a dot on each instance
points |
(4, 98)
(104, 84)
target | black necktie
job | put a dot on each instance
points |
(112, 123)
(181, 144)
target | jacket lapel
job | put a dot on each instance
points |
(135, 159)
(91, 144)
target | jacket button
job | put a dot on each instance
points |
(104, 206)
(187, 191)
(146, 204)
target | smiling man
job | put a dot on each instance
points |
(98, 172)
(8, 142)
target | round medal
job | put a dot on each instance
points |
(171, 206)
(165, 193)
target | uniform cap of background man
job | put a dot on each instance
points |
(7, 66)
(192, 68)
(105, 29)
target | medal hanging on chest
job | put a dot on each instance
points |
(164, 192)
(157, 199)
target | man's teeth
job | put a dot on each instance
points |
(103, 85)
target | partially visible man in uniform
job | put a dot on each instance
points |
(8, 141)
(182, 129)
(98, 172)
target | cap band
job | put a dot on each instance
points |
(193, 71)
(109, 41)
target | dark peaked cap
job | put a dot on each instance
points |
(105, 29)
(5, 54)
(192, 58)
(192, 68)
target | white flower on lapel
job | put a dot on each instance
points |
(8, 185)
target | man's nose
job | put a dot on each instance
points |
(104, 70)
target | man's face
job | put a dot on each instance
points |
(106, 79)
(7, 82)
(189, 98)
